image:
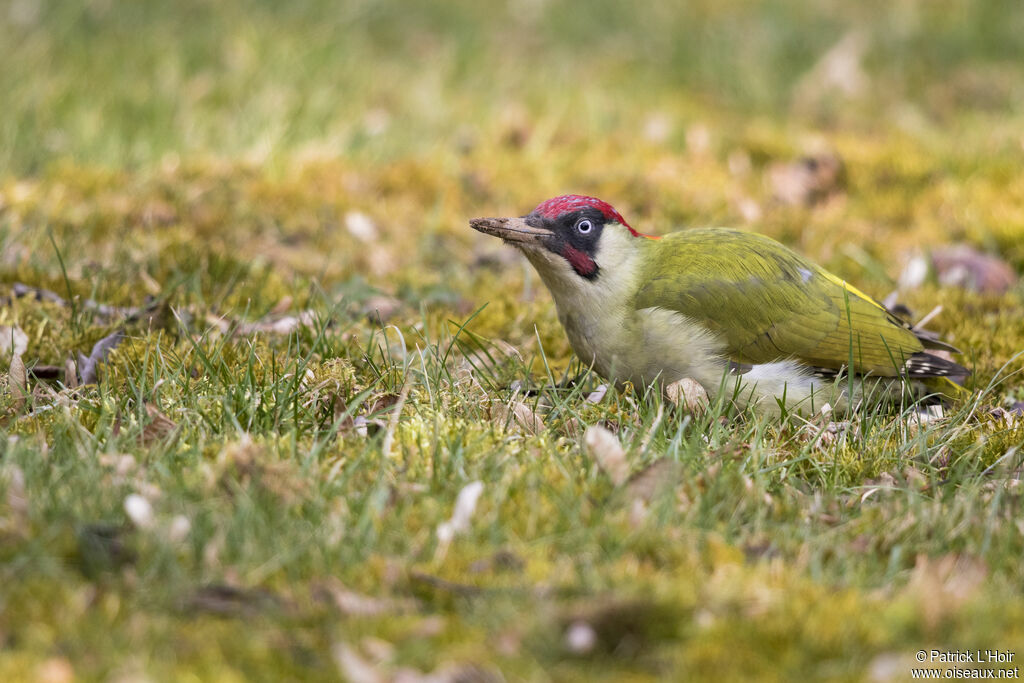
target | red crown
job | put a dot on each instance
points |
(553, 208)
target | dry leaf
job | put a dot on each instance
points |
(354, 667)
(689, 393)
(598, 394)
(158, 427)
(526, 418)
(396, 413)
(139, 511)
(521, 414)
(361, 226)
(70, 374)
(277, 325)
(381, 308)
(806, 181)
(462, 515)
(17, 382)
(645, 484)
(87, 365)
(38, 293)
(12, 340)
(964, 266)
(605, 448)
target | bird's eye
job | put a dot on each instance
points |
(584, 226)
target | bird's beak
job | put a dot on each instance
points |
(511, 229)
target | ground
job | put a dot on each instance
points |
(271, 474)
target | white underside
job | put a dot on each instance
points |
(785, 382)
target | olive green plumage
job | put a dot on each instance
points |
(768, 302)
(735, 311)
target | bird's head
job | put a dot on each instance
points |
(567, 238)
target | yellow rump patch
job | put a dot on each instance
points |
(850, 288)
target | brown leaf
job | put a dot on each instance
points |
(87, 365)
(282, 325)
(158, 427)
(689, 393)
(605, 449)
(646, 483)
(521, 414)
(12, 340)
(806, 181)
(382, 403)
(381, 308)
(964, 266)
(70, 374)
(527, 418)
(598, 394)
(361, 226)
(17, 382)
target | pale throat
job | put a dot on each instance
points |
(597, 314)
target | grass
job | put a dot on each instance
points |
(300, 399)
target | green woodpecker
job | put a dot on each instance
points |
(735, 311)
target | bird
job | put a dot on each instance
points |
(746, 317)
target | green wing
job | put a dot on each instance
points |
(769, 303)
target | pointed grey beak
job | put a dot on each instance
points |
(510, 229)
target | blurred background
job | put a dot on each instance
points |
(125, 83)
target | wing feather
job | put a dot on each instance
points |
(769, 303)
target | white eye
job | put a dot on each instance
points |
(584, 226)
